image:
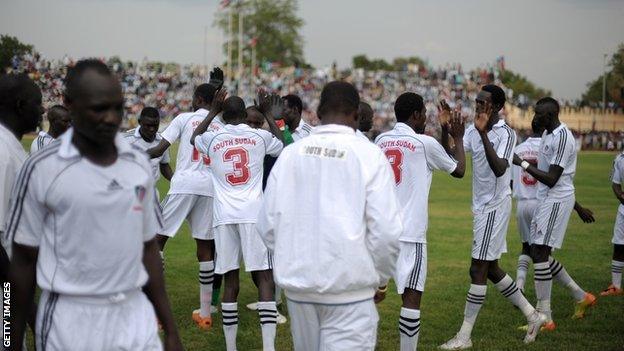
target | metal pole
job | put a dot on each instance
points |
(230, 33)
(205, 48)
(604, 84)
(240, 50)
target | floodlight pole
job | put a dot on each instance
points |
(240, 48)
(604, 84)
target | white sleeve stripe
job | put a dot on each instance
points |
(22, 187)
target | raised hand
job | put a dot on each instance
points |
(483, 117)
(444, 113)
(457, 123)
(216, 78)
(217, 102)
(271, 105)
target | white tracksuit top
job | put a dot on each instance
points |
(331, 218)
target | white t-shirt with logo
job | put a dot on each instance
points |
(524, 185)
(192, 174)
(237, 160)
(89, 222)
(557, 148)
(488, 191)
(133, 136)
(42, 140)
(413, 158)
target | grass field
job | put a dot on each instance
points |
(586, 255)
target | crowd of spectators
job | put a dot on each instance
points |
(169, 88)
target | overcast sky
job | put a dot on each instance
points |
(559, 44)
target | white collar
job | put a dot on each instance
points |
(333, 128)
(69, 150)
(404, 128)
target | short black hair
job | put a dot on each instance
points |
(15, 87)
(338, 97)
(406, 104)
(151, 112)
(498, 94)
(206, 92)
(72, 79)
(294, 101)
(233, 108)
(549, 101)
(56, 110)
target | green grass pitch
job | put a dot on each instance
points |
(586, 254)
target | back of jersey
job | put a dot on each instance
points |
(192, 174)
(413, 158)
(524, 185)
(237, 158)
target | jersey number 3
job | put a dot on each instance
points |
(240, 158)
(395, 157)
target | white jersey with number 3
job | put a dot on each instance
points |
(413, 158)
(237, 159)
(192, 173)
(524, 185)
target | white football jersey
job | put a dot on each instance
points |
(12, 156)
(524, 185)
(359, 133)
(90, 223)
(237, 160)
(302, 131)
(557, 148)
(488, 191)
(413, 158)
(617, 176)
(192, 173)
(41, 141)
(133, 136)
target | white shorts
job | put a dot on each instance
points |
(411, 267)
(234, 242)
(196, 209)
(524, 215)
(618, 229)
(343, 327)
(125, 322)
(550, 222)
(490, 232)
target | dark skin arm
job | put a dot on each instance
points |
(159, 149)
(217, 105)
(497, 164)
(457, 129)
(22, 277)
(549, 178)
(585, 214)
(166, 171)
(155, 291)
(444, 115)
(272, 106)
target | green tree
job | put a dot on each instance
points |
(615, 82)
(521, 85)
(360, 61)
(274, 23)
(9, 47)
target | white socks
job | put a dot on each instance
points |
(616, 273)
(474, 300)
(524, 261)
(561, 276)
(229, 312)
(409, 328)
(509, 289)
(206, 277)
(543, 287)
(267, 310)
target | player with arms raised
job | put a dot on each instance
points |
(413, 157)
(237, 154)
(191, 192)
(491, 142)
